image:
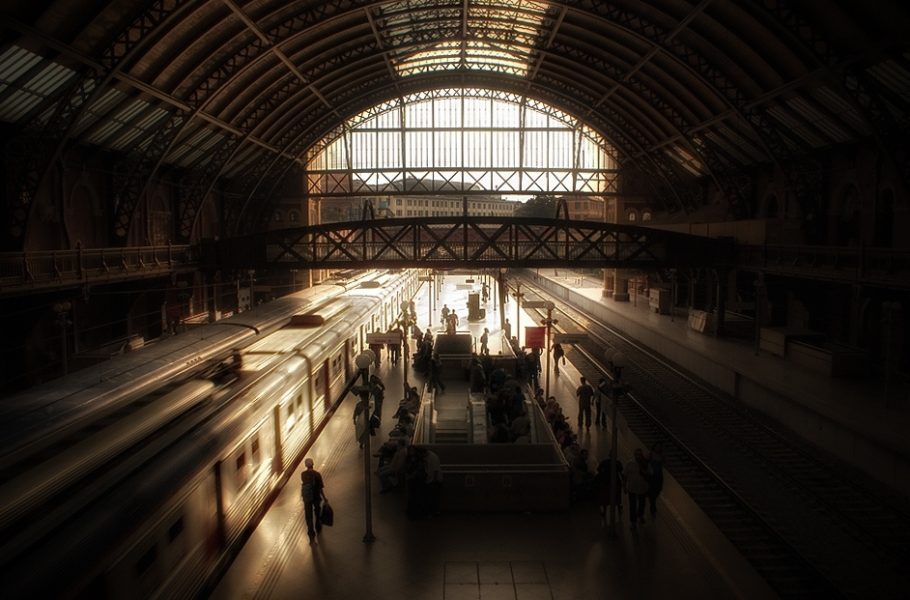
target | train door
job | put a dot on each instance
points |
(278, 461)
(220, 527)
(327, 382)
(348, 358)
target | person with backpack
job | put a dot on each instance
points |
(558, 353)
(313, 491)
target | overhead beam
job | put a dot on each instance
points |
(278, 53)
(136, 84)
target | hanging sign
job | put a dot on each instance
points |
(536, 337)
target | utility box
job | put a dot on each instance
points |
(659, 300)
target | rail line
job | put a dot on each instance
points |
(807, 529)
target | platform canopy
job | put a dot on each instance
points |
(232, 94)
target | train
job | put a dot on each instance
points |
(153, 504)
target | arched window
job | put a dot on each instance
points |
(293, 216)
(646, 215)
(277, 216)
(632, 215)
(448, 140)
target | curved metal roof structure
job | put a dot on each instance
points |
(234, 92)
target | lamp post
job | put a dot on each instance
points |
(363, 362)
(549, 322)
(518, 296)
(430, 302)
(617, 361)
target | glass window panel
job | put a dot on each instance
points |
(364, 145)
(535, 119)
(477, 112)
(560, 149)
(505, 149)
(535, 149)
(477, 146)
(447, 112)
(419, 115)
(447, 149)
(389, 149)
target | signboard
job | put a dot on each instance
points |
(469, 281)
(428, 278)
(536, 337)
(536, 304)
(391, 337)
(569, 338)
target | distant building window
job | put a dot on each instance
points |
(293, 216)
(631, 216)
(646, 215)
(277, 216)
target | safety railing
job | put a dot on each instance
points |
(22, 271)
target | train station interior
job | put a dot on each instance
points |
(563, 300)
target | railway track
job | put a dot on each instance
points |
(805, 527)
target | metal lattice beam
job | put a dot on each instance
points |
(487, 242)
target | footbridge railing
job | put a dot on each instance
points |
(485, 242)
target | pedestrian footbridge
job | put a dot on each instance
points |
(484, 242)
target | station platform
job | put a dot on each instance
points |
(484, 556)
(846, 417)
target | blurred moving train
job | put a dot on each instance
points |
(141, 482)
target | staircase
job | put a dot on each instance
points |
(451, 427)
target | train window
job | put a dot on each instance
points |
(147, 560)
(255, 449)
(175, 530)
(240, 463)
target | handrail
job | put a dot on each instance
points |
(53, 268)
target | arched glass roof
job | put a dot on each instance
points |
(232, 94)
(465, 140)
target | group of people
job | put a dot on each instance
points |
(589, 398)
(642, 478)
(508, 418)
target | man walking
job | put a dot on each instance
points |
(484, 341)
(585, 394)
(312, 489)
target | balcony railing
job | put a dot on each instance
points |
(45, 269)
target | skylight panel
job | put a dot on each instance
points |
(500, 36)
(30, 93)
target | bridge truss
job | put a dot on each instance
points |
(477, 242)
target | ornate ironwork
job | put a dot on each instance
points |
(449, 242)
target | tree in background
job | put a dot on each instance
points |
(541, 205)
